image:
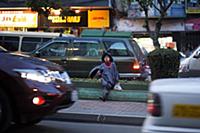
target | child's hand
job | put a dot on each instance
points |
(99, 73)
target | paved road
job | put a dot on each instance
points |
(69, 127)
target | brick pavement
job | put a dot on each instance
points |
(104, 112)
(107, 108)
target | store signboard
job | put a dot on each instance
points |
(68, 21)
(192, 24)
(192, 6)
(98, 19)
(26, 19)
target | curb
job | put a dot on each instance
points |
(98, 118)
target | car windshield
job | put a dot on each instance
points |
(40, 45)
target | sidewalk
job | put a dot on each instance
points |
(112, 112)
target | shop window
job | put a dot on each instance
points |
(116, 48)
(10, 43)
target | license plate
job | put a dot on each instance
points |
(186, 111)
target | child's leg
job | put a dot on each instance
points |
(106, 93)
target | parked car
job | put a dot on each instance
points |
(31, 88)
(25, 42)
(190, 66)
(81, 54)
(173, 106)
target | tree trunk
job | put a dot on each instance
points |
(156, 42)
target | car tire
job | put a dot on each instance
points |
(5, 111)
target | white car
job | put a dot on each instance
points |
(190, 66)
(173, 106)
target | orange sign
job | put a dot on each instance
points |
(98, 19)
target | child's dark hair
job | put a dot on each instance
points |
(106, 54)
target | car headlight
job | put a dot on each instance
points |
(36, 75)
(66, 78)
(44, 76)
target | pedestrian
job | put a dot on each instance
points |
(109, 75)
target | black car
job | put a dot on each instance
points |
(31, 88)
(81, 54)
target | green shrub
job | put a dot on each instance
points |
(164, 63)
(94, 83)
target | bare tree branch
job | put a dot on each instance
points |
(156, 7)
(169, 5)
(160, 2)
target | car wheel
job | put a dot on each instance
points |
(5, 111)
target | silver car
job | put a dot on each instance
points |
(173, 106)
(190, 66)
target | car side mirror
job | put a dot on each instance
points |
(37, 54)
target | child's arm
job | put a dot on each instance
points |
(116, 73)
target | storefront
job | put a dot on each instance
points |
(16, 16)
(18, 20)
(84, 18)
(192, 6)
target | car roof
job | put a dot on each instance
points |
(103, 33)
(103, 38)
(180, 85)
(63, 38)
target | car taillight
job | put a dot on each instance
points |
(39, 100)
(136, 66)
(153, 104)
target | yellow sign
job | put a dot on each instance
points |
(68, 19)
(26, 19)
(192, 10)
(57, 19)
(73, 19)
(186, 111)
(98, 19)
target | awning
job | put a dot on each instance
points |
(13, 4)
(65, 3)
(86, 3)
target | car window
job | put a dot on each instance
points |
(55, 49)
(46, 39)
(86, 48)
(10, 43)
(116, 48)
(138, 52)
(29, 44)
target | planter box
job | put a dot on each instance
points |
(127, 85)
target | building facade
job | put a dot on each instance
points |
(16, 16)
(181, 25)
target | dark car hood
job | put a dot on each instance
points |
(25, 61)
